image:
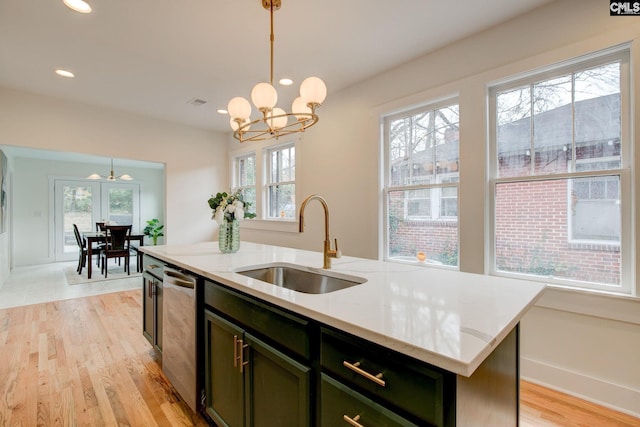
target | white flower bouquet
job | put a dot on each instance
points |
(227, 207)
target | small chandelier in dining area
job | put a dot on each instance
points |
(111, 176)
(275, 122)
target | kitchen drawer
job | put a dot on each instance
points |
(408, 384)
(276, 326)
(339, 402)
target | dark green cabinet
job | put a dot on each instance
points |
(267, 366)
(152, 310)
(340, 405)
(250, 383)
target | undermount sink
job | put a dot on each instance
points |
(300, 278)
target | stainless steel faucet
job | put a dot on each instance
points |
(328, 252)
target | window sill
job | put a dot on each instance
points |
(622, 308)
(286, 226)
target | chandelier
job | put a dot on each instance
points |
(275, 122)
(111, 176)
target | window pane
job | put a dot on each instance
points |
(77, 209)
(249, 196)
(595, 214)
(552, 130)
(597, 116)
(577, 112)
(282, 202)
(407, 236)
(283, 165)
(513, 112)
(246, 170)
(559, 228)
(423, 145)
(120, 206)
(419, 204)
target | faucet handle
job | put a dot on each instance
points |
(338, 252)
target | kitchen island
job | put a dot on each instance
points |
(463, 326)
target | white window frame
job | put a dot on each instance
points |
(621, 53)
(276, 183)
(428, 185)
(236, 184)
(261, 151)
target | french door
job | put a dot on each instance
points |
(85, 202)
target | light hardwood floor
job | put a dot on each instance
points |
(84, 362)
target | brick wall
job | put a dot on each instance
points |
(532, 236)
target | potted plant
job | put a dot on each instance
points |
(154, 230)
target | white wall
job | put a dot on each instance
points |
(194, 159)
(339, 160)
(33, 223)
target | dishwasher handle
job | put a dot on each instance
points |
(177, 278)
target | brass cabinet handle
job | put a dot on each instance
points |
(235, 351)
(353, 421)
(355, 368)
(238, 353)
(241, 348)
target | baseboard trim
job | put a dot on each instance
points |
(614, 396)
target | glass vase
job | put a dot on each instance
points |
(229, 237)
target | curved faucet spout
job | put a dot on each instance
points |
(328, 252)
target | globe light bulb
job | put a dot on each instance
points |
(313, 90)
(239, 108)
(264, 96)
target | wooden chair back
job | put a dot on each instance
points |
(117, 238)
(79, 241)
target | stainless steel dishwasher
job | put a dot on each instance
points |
(179, 352)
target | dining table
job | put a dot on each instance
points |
(100, 237)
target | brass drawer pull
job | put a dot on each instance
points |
(355, 368)
(353, 421)
(238, 353)
(235, 351)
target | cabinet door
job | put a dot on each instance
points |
(157, 286)
(147, 309)
(223, 379)
(278, 389)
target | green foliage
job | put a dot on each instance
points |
(154, 230)
(228, 206)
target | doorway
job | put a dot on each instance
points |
(85, 202)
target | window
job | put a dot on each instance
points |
(421, 185)
(244, 178)
(265, 172)
(281, 182)
(560, 161)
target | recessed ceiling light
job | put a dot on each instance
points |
(222, 111)
(78, 5)
(65, 73)
(286, 82)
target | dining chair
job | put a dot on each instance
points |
(98, 245)
(82, 249)
(117, 238)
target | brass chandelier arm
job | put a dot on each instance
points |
(301, 122)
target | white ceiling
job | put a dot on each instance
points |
(152, 56)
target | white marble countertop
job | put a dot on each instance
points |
(446, 318)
